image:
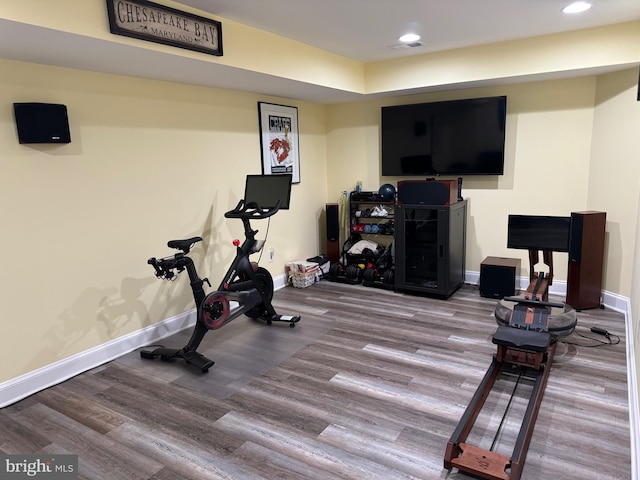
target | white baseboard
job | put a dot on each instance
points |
(279, 282)
(558, 287)
(632, 382)
(32, 382)
(21, 387)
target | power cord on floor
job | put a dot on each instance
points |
(612, 339)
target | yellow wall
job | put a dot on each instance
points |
(549, 177)
(148, 162)
(151, 161)
(614, 182)
(498, 63)
(245, 48)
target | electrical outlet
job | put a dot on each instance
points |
(272, 255)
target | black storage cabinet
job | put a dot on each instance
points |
(430, 247)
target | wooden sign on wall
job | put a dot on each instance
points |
(156, 23)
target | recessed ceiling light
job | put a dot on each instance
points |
(409, 37)
(577, 7)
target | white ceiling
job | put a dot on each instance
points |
(359, 29)
(365, 29)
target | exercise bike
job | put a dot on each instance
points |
(245, 289)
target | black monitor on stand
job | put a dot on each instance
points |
(266, 190)
(537, 232)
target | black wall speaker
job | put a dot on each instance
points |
(333, 232)
(498, 276)
(42, 123)
(428, 192)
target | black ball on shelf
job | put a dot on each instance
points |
(387, 192)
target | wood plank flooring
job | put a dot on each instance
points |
(369, 385)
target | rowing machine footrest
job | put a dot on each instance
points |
(522, 339)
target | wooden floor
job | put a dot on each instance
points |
(369, 385)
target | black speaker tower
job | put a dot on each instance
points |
(333, 232)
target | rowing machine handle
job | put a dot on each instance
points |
(534, 303)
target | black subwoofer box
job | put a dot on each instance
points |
(498, 277)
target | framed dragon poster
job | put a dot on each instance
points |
(279, 140)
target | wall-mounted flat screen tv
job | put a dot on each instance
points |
(536, 232)
(454, 138)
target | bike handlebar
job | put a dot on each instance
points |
(163, 267)
(251, 210)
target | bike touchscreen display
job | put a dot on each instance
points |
(266, 190)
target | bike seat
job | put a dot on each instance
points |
(184, 245)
